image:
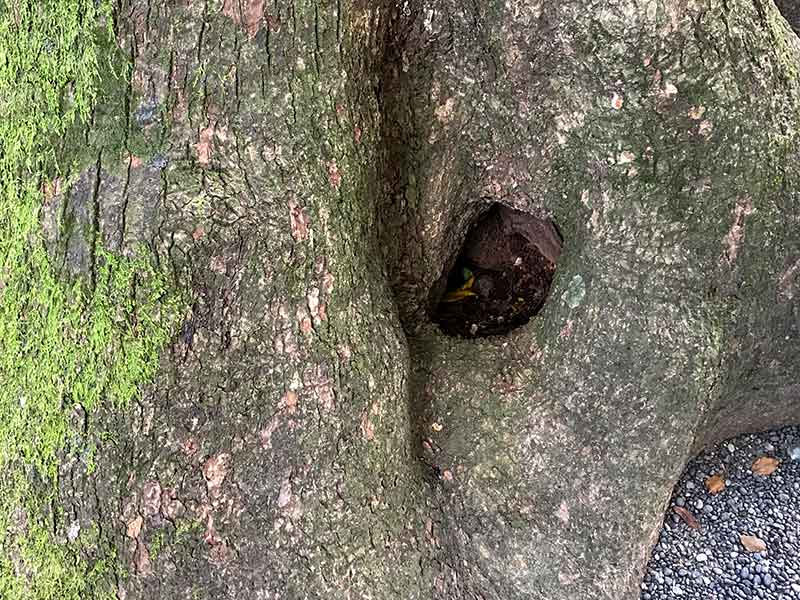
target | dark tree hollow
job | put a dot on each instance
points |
(501, 275)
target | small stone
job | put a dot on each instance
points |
(724, 569)
(159, 161)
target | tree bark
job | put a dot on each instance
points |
(308, 171)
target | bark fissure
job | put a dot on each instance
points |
(93, 233)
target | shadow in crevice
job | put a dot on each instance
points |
(790, 9)
(402, 93)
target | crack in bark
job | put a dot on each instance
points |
(317, 48)
(95, 224)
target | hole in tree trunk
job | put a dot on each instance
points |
(501, 276)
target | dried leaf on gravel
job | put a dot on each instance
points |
(765, 465)
(715, 484)
(688, 517)
(753, 543)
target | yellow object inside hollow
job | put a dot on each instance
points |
(463, 292)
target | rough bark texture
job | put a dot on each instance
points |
(309, 170)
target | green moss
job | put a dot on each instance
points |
(65, 344)
(780, 33)
(186, 528)
(156, 544)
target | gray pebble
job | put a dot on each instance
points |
(711, 563)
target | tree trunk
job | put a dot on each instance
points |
(308, 170)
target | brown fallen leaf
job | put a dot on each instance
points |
(715, 484)
(765, 465)
(753, 543)
(688, 517)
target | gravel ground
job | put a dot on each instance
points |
(710, 563)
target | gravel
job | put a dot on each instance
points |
(711, 563)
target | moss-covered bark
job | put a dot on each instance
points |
(307, 171)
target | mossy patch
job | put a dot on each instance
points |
(64, 344)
